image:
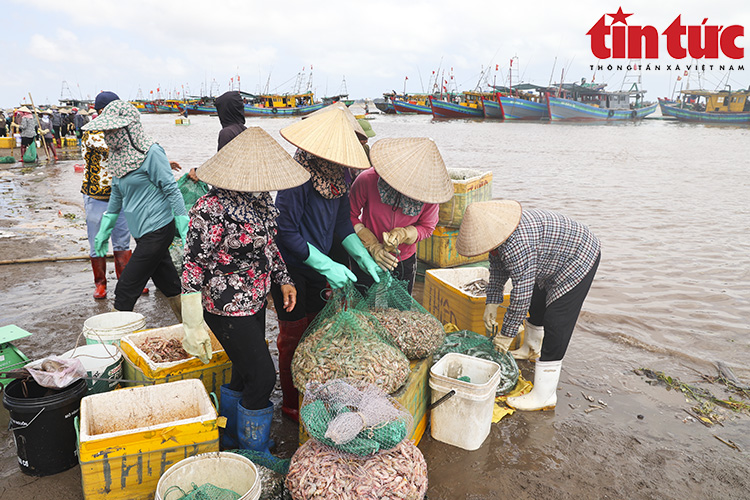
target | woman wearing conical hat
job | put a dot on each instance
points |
(311, 215)
(551, 261)
(395, 204)
(231, 260)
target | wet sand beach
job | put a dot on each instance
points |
(671, 296)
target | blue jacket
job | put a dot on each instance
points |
(304, 217)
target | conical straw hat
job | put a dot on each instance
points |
(329, 135)
(24, 109)
(413, 167)
(486, 225)
(358, 128)
(252, 162)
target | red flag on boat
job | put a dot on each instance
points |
(685, 72)
(406, 78)
(497, 66)
(511, 63)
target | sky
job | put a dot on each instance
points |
(77, 48)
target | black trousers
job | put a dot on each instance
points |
(244, 340)
(150, 259)
(406, 270)
(312, 294)
(560, 317)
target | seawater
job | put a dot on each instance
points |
(669, 201)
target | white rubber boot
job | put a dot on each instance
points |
(532, 343)
(544, 394)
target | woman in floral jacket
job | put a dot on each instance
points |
(231, 259)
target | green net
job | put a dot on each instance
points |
(278, 465)
(7, 159)
(406, 323)
(479, 346)
(203, 492)
(30, 155)
(343, 342)
(354, 417)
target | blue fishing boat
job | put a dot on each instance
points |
(282, 105)
(412, 104)
(709, 106)
(492, 109)
(524, 102)
(585, 101)
(467, 104)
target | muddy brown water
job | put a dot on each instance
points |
(668, 201)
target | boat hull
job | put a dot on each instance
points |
(688, 115)
(297, 111)
(408, 108)
(523, 109)
(492, 110)
(445, 109)
(197, 109)
(566, 109)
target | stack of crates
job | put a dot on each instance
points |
(138, 367)
(130, 437)
(439, 250)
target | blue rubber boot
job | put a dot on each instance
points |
(228, 408)
(254, 428)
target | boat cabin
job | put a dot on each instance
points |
(724, 101)
(285, 100)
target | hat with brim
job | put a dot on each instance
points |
(329, 135)
(369, 132)
(117, 114)
(253, 162)
(83, 112)
(413, 167)
(24, 109)
(353, 119)
(486, 225)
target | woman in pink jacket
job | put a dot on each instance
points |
(395, 204)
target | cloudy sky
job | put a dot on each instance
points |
(76, 48)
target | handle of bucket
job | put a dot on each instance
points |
(11, 428)
(215, 400)
(442, 400)
(77, 427)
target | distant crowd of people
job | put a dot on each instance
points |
(53, 124)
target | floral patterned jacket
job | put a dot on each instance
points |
(231, 256)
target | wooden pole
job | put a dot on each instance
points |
(46, 259)
(39, 125)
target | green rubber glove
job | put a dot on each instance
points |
(354, 247)
(196, 341)
(183, 224)
(337, 274)
(101, 241)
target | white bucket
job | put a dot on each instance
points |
(463, 419)
(101, 361)
(109, 328)
(222, 469)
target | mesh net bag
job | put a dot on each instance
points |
(319, 471)
(353, 416)
(203, 492)
(479, 346)
(275, 464)
(191, 191)
(407, 324)
(343, 342)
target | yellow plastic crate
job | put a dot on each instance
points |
(130, 437)
(469, 185)
(138, 366)
(445, 300)
(439, 250)
(7, 142)
(414, 395)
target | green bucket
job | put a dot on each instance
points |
(101, 361)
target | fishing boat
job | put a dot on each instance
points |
(201, 106)
(468, 104)
(707, 106)
(385, 103)
(413, 104)
(523, 102)
(492, 109)
(589, 101)
(282, 104)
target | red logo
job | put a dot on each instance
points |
(623, 41)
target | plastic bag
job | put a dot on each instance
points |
(30, 155)
(55, 372)
(191, 190)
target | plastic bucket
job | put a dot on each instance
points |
(42, 425)
(101, 361)
(222, 469)
(464, 418)
(109, 328)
